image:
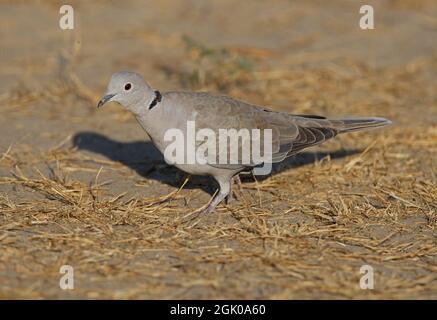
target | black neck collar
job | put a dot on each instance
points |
(157, 99)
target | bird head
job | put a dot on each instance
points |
(128, 89)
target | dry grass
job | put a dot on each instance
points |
(301, 233)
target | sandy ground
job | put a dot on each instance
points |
(84, 187)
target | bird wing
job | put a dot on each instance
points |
(290, 133)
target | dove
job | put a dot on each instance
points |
(158, 112)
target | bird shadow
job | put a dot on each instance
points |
(146, 160)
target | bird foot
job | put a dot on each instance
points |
(203, 211)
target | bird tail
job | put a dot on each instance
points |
(355, 124)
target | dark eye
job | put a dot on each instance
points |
(127, 86)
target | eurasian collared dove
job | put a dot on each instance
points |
(157, 113)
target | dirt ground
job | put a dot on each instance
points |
(84, 187)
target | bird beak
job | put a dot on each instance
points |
(105, 99)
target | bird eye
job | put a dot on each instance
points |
(127, 86)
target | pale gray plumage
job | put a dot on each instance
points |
(291, 133)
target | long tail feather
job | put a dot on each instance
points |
(355, 124)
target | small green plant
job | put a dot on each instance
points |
(214, 68)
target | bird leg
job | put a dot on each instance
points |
(224, 191)
(237, 180)
(233, 194)
(219, 197)
(229, 198)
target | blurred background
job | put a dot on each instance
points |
(81, 186)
